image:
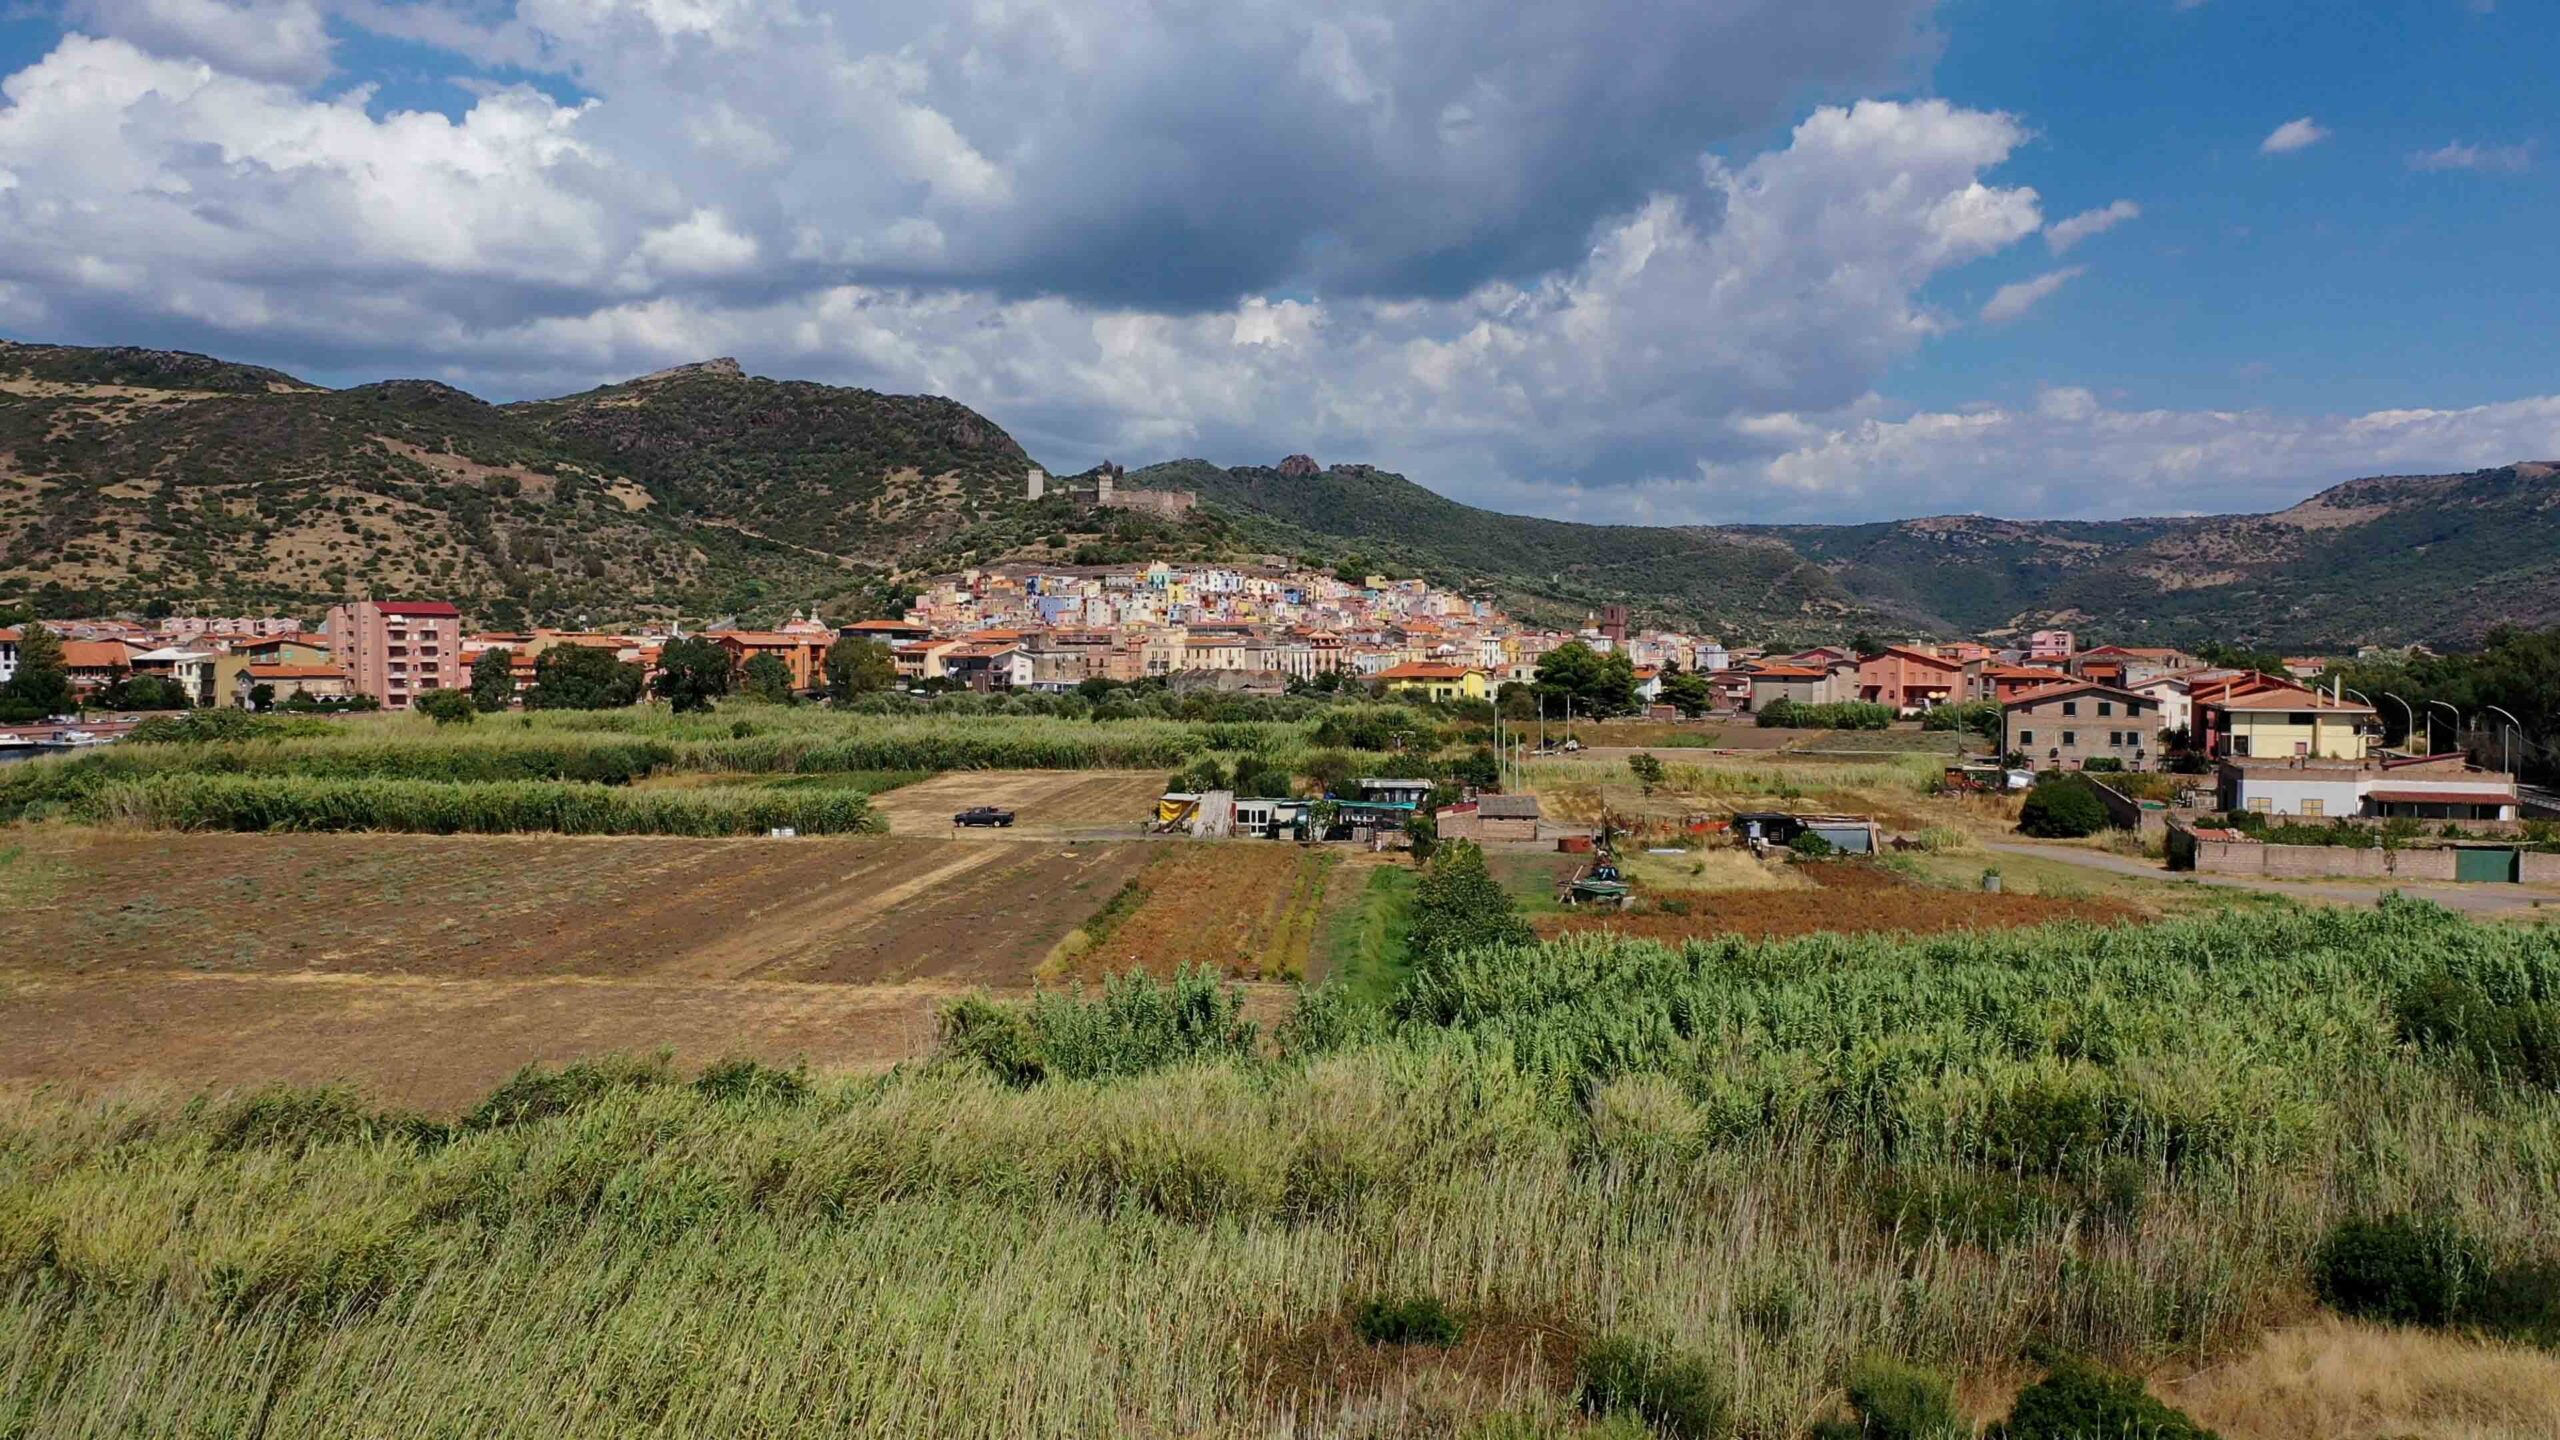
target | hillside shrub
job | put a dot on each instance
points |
(1410, 1320)
(2065, 809)
(2401, 1269)
(2080, 1401)
(1677, 1392)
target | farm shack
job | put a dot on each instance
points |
(1491, 817)
(1850, 834)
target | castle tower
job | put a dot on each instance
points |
(1039, 485)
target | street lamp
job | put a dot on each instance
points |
(2506, 751)
(2365, 700)
(2411, 733)
(2432, 706)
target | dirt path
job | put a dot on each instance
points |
(1053, 804)
(2469, 899)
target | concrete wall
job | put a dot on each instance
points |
(2224, 857)
(2539, 869)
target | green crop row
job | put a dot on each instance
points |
(235, 802)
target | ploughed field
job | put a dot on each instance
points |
(428, 967)
(1846, 897)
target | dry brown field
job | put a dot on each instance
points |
(1250, 909)
(1085, 803)
(427, 967)
(1845, 898)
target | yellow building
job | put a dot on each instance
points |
(2282, 724)
(1438, 682)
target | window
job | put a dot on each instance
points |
(2070, 739)
(2240, 746)
(2315, 807)
(2262, 805)
(2026, 738)
(2070, 707)
(2106, 707)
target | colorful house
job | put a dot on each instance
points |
(1438, 682)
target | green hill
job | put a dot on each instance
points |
(128, 475)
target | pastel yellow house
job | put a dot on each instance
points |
(1438, 682)
(2283, 724)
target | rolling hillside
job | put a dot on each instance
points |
(2386, 560)
(128, 475)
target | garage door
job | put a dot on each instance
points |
(2484, 864)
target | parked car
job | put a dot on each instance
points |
(983, 815)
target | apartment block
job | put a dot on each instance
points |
(397, 650)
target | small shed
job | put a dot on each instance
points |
(1507, 817)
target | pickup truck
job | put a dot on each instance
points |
(983, 815)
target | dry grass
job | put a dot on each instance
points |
(1724, 868)
(2336, 1380)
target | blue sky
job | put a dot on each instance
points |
(2334, 277)
(1720, 260)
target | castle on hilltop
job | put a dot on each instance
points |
(1101, 490)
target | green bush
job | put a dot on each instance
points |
(2064, 809)
(1827, 715)
(2080, 1401)
(1895, 1401)
(2400, 1269)
(2515, 1039)
(537, 1093)
(1413, 1320)
(741, 1079)
(1458, 905)
(1675, 1391)
(1809, 846)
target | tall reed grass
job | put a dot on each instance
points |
(1784, 1157)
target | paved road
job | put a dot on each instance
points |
(2471, 899)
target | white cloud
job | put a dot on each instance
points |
(703, 244)
(2061, 235)
(2070, 456)
(2292, 135)
(2458, 156)
(262, 39)
(2016, 299)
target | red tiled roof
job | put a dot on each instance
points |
(2042, 693)
(421, 609)
(95, 655)
(1786, 672)
(1423, 670)
(2443, 797)
(2287, 700)
(9, 635)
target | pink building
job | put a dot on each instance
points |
(397, 650)
(2048, 646)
